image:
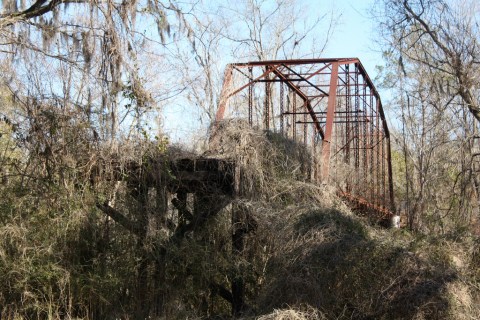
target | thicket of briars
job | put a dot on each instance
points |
(81, 83)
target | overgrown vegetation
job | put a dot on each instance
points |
(431, 49)
(304, 254)
(92, 227)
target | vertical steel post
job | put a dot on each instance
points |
(266, 108)
(305, 127)
(224, 95)
(384, 193)
(347, 109)
(250, 98)
(364, 139)
(282, 111)
(372, 145)
(314, 156)
(332, 101)
(377, 147)
(356, 146)
(294, 116)
(289, 119)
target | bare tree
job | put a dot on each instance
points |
(432, 47)
(246, 30)
(80, 83)
(280, 29)
(444, 36)
(99, 51)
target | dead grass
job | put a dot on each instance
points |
(337, 264)
(267, 163)
(314, 251)
(308, 256)
(292, 314)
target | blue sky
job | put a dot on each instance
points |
(354, 35)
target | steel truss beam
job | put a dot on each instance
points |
(331, 99)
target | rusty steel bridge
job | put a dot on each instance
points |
(329, 105)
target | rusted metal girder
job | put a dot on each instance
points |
(224, 95)
(305, 101)
(338, 105)
(332, 103)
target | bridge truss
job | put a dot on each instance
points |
(329, 105)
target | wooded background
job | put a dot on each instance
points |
(84, 84)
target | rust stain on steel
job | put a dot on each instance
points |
(332, 100)
(224, 95)
(336, 104)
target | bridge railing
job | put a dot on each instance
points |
(329, 105)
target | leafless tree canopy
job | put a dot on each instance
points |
(433, 54)
(444, 36)
(100, 217)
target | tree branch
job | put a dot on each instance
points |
(121, 219)
(35, 10)
(433, 35)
